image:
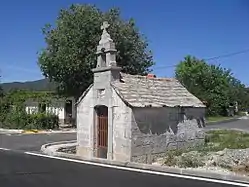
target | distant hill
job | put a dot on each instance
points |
(38, 85)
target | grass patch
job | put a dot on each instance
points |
(230, 139)
(215, 140)
(218, 118)
(242, 114)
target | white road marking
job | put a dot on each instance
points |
(142, 170)
(5, 149)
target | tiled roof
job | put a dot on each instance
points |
(141, 91)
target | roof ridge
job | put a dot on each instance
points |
(150, 78)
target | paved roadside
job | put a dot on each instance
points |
(19, 169)
(32, 142)
(242, 124)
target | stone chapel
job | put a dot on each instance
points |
(134, 118)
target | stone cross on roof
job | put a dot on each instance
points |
(105, 37)
(105, 25)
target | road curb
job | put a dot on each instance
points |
(11, 131)
(46, 150)
(35, 131)
(48, 131)
(220, 122)
(180, 171)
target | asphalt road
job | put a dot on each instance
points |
(242, 124)
(19, 169)
(32, 142)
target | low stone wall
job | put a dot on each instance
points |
(149, 147)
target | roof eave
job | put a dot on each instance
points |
(83, 95)
(121, 96)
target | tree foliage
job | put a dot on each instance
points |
(13, 114)
(1, 90)
(71, 45)
(213, 84)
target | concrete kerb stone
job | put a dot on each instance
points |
(34, 131)
(10, 131)
(45, 148)
(180, 171)
(58, 143)
(218, 176)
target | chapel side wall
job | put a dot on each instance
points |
(84, 117)
(156, 130)
(121, 129)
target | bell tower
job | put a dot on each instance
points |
(106, 50)
(106, 56)
(106, 70)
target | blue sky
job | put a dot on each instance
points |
(174, 29)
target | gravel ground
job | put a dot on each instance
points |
(69, 149)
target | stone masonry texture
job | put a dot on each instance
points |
(157, 130)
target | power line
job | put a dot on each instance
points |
(209, 59)
(227, 55)
(160, 67)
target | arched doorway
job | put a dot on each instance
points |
(101, 123)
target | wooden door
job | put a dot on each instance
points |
(102, 128)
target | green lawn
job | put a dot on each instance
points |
(218, 118)
(215, 140)
(223, 118)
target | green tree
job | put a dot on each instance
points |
(238, 92)
(71, 45)
(247, 98)
(1, 92)
(213, 84)
(1, 89)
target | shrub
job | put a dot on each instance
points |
(4, 109)
(15, 119)
(22, 120)
(171, 155)
(13, 114)
(43, 121)
(191, 160)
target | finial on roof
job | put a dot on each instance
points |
(105, 37)
(105, 25)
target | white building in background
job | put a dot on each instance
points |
(64, 109)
